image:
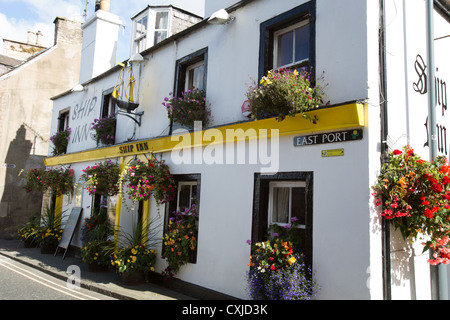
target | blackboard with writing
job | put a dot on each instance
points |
(69, 229)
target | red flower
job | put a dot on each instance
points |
(397, 152)
(272, 267)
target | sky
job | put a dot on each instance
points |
(17, 17)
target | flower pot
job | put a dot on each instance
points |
(133, 278)
(47, 249)
(30, 244)
(97, 268)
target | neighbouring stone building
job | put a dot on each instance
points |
(32, 74)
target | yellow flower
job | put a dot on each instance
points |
(133, 259)
(291, 260)
(152, 269)
(133, 251)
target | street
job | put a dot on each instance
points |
(20, 282)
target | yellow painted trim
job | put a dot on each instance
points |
(347, 116)
(145, 220)
(58, 209)
(118, 209)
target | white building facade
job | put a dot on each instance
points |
(232, 167)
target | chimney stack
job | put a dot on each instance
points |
(38, 38)
(31, 37)
(102, 5)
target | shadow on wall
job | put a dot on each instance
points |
(16, 206)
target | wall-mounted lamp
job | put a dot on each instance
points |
(78, 88)
(137, 58)
(220, 17)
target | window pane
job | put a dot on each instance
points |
(184, 197)
(298, 205)
(280, 210)
(141, 27)
(194, 195)
(162, 19)
(302, 43)
(160, 36)
(195, 78)
(285, 49)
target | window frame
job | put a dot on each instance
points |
(182, 66)
(276, 44)
(63, 119)
(283, 184)
(154, 30)
(108, 107)
(304, 12)
(260, 215)
(141, 39)
(173, 204)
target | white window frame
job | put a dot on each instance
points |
(185, 183)
(192, 67)
(153, 29)
(283, 184)
(140, 43)
(275, 44)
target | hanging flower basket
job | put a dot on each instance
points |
(414, 195)
(188, 108)
(59, 181)
(60, 141)
(104, 130)
(145, 179)
(102, 178)
(283, 93)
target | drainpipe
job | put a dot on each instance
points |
(386, 249)
(441, 274)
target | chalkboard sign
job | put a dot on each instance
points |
(69, 229)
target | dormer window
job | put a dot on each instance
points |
(150, 27)
(157, 23)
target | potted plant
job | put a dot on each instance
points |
(104, 130)
(58, 181)
(145, 179)
(102, 178)
(60, 141)
(180, 240)
(35, 180)
(135, 256)
(414, 196)
(49, 232)
(188, 108)
(278, 272)
(284, 93)
(97, 248)
(27, 234)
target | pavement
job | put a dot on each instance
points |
(108, 283)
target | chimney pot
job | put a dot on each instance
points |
(31, 37)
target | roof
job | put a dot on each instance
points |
(8, 61)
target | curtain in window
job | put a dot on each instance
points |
(281, 205)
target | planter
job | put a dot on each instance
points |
(133, 278)
(30, 244)
(48, 249)
(97, 268)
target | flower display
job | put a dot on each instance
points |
(278, 272)
(104, 130)
(149, 178)
(102, 178)
(60, 141)
(190, 107)
(414, 195)
(28, 234)
(49, 236)
(59, 181)
(284, 93)
(130, 259)
(180, 239)
(97, 252)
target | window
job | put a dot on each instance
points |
(291, 46)
(195, 76)
(161, 26)
(108, 107)
(277, 199)
(140, 34)
(63, 120)
(187, 194)
(288, 40)
(191, 72)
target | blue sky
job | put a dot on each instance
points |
(17, 17)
